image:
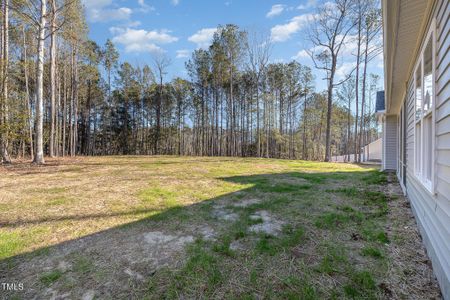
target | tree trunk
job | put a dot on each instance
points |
(52, 79)
(27, 93)
(304, 152)
(39, 157)
(358, 56)
(329, 111)
(363, 100)
(4, 107)
(75, 102)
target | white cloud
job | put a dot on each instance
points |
(202, 37)
(350, 45)
(329, 5)
(175, 2)
(308, 4)
(96, 4)
(281, 33)
(145, 7)
(133, 24)
(103, 11)
(302, 54)
(278, 60)
(139, 40)
(379, 61)
(276, 10)
(122, 13)
(183, 53)
(344, 69)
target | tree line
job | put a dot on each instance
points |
(62, 94)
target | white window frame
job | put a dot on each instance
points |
(419, 173)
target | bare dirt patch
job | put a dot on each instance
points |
(224, 214)
(159, 241)
(246, 202)
(269, 224)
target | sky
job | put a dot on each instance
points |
(141, 29)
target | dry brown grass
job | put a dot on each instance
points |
(129, 227)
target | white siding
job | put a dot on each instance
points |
(391, 142)
(433, 211)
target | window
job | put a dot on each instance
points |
(424, 83)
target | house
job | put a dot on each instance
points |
(416, 117)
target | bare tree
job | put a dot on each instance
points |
(53, 77)
(371, 28)
(328, 34)
(346, 94)
(39, 156)
(161, 63)
(359, 10)
(258, 48)
(4, 96)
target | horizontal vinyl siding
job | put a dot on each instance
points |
(410, 128)
(432, 223)
(391, 143)
(433, 211)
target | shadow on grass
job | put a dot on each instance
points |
(123, 247)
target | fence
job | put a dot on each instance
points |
(370, 152)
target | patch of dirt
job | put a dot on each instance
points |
(224, 214)
(134, 274)
(238, 245)
(162, 241)
(270, 225)
(205, 231)
(88, 295)
(410, 275)
(115, 256)
(246, 202)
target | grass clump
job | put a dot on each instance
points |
(50, 277)
(279, 188)
(164, 197)
(375, 178)
(297, 288)
(332, 220)
(372, 251)
(10, 243)
(347, 191)
(82, 265)
(361, 285)
(311, 177)
(371, 232)
(271, 245)
(223, 247)
(334, 260)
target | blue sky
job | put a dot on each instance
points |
(141, 28)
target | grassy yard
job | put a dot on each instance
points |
(185, 227)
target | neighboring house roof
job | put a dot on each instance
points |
(380, 105)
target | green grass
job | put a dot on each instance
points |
(50, 277)
(10, 242)
(361, 285)
(334, 260)
(319, 205)
(83, 265)
(58, 201)
(371, 251)
(347, 191)
(375, 178)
